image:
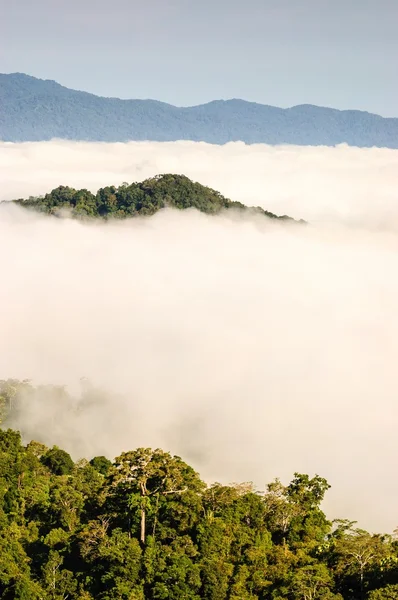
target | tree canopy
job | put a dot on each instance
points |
(145, 525)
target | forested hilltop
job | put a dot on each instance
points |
(145, 526)
(145, 198)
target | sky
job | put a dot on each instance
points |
(334, 53)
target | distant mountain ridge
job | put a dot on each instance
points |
(34, 109)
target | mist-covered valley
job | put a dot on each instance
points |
(250, 348)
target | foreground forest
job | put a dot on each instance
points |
(145, 198)
(145, 526)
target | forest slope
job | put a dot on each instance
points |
(145, 525)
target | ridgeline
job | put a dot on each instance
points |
(35, 109)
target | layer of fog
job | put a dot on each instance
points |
(319, 184)
(251, 349)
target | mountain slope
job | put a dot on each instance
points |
(33, 109)
(139, 199)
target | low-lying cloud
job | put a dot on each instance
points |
(250, 348)
(354, 185)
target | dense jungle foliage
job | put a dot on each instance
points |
(145, 198)
(145, 526)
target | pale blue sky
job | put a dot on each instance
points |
(340, 53)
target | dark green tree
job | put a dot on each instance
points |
(58, 461)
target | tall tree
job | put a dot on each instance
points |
(146, 476)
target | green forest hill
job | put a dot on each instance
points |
(144, 198)
(146, 526)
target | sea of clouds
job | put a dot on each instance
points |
(253, 349)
